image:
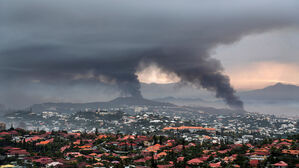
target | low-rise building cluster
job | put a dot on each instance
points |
(19, 147)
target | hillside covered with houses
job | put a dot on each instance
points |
(19, 147)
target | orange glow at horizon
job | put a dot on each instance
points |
(252, 76)
(262, 74)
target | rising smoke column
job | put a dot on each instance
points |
(111, 68)
(103, 42)
(195, 68)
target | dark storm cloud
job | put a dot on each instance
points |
(105, 41)
(54, 65)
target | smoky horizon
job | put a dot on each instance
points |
(100, 49)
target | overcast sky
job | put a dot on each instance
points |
(95, 50)
(262, 59)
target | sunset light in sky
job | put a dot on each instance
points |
(252, 76)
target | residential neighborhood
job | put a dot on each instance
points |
(149, 84)
(21, 148)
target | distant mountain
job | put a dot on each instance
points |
(179, 100)
(279, 99)
(74, 107)
(171, 98)
(173, 90)
(137, 101)
(281, 95)
(279, 91)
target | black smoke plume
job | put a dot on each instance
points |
(198, 69)
(66, 43)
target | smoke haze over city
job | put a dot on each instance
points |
(75, 48)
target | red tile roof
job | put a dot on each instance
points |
(35, 138)
(10, 148)
(254, 163)
(43, 160)
(45, 142)
(4, 133)
(18, 152)
(180, 159)
(142, 160)
(195, 161)
(218, 164)
(291, 152)
(281, 163)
